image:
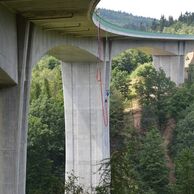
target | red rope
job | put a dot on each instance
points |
(104, 102)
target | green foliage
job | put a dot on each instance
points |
(154, 172)
(139, 167)
(185, 171)
(45, 167)
(140, 69)
(120, 81)
(154, 89)
(182, 149)
(191, 73)
(72, 186)
(180, 100)
(149, 118)
(126, 20)
(179, 28)
(46, 80)
(130, 59)
(132, 164)
(45, 164)
(187, 18)
(125, 178)
(116, 118)
(183, 134)
(183, 25)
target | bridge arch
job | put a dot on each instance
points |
(44, 42)
(85, 146)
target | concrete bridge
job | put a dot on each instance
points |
(66, 29)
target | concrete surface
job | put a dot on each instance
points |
(85, 128)
(173, 66)
(8, 48)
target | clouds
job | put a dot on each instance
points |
(150, 8)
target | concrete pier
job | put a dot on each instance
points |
(172, 65)
(86, 136)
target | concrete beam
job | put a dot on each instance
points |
(153, 47)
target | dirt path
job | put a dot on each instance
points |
(134, 117)
(167, 135)
(137, 118)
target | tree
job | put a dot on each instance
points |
(163, 23)
(122, 167)
(154, 89)
(180, 100)
(116, 119)
(45, 164)
(140, 70)
(130, 59)
(185, 172)
(152, 165)
(72, 185)
(183, 134)
(170, 20)
(47, 79)
(149, 119)
(154, 25)
(121, 82)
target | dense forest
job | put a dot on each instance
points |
(183, 25)
(151, 128)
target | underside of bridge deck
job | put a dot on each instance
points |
(72, 17)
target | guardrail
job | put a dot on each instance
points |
(117, 30)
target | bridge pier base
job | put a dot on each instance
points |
(173, 66)
(13, 117)
(13, 138)
(87, 137)
(9, 141)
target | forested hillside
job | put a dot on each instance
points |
(150, 154)
(183, 25)
(126, 20)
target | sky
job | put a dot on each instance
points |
(150, 8)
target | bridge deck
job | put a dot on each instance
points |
(74, 17)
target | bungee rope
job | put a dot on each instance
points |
(104, 100)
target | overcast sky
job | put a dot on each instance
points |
(150, 8)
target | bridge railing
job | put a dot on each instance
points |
(118, 30)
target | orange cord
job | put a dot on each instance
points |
(104, 102)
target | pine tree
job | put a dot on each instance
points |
(185, 172)
(153, 169)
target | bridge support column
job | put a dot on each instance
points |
(173, 66)
(13, 119)
(12, 142)
(87, 137)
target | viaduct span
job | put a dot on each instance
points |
(67, 30)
